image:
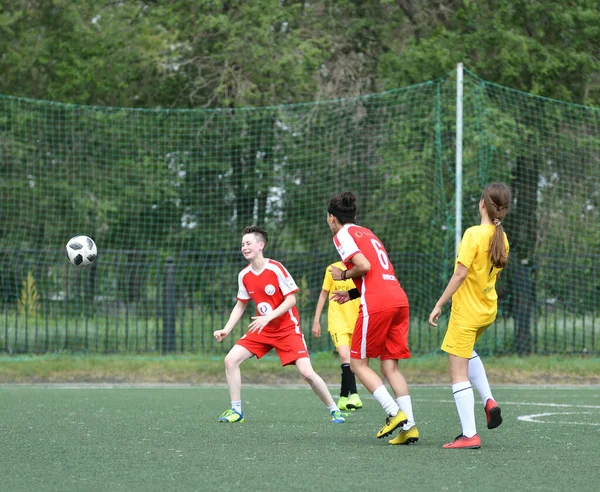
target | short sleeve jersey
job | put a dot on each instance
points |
(475, 303)
(379, 287)
(268, 289)
(340, 317)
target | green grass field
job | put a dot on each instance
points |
(112, 438)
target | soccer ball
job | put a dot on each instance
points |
(82, 251)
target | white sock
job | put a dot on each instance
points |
(382, 395)
(237, 406)
(333, 408)
(465, 405)
(405, 404)
(478, 377)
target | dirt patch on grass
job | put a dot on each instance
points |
(511, 376)
(210, 370)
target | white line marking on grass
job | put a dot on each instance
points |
(524, 403)
(535, 418)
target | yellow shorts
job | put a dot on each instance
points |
(341, 338)
(460, 340)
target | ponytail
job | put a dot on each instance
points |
(497, 198)
(498, 252)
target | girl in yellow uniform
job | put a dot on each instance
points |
(341, 319)
(482, 254)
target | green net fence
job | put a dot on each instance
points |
(166, 193)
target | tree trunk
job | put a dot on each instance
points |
(523, 234)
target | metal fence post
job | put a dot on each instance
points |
(168, 307)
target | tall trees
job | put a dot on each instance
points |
(224, 168)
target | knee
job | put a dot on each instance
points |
(230, 362)
(307, 374)
(344, 353)
(355, 365)
(388, 369)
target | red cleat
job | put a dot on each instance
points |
(463, 442)
(492, 414)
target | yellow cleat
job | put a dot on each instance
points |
(392, 423)
(406, 436)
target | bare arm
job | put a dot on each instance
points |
(316, 327)
(234, 317)
(360, 266)
(259, 322)
(455, 282)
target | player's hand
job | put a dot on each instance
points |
(340, 296)
(336, 273)
(434, 315)
(259, 323)
(316, 329)
(220, 335)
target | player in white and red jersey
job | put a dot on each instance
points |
(381, 329)
(276, 325)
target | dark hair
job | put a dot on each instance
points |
(261, 233)
(497, 198)
(343, 207)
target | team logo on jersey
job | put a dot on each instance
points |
(264, 308)
(269, 290)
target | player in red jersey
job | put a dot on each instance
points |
(382, 326)
(276, 325)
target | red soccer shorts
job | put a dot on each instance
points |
(290, 346)
(382, 335)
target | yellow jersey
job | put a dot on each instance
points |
(475, 303)
(341, 318)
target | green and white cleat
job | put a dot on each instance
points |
(231, 416)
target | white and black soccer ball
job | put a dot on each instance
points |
(82, 251)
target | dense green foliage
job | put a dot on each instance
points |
(280, 105)
(200, 53)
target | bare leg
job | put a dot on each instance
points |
(233, 359)
(316, 382)
(459, 369)
(367, 376)
(389, 368)
(344, 353)
(371, 380)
